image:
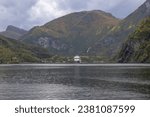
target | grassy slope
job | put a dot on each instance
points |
(12, 51)
(78, 31)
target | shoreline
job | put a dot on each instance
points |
(82, 64)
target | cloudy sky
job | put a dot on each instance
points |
(29, 13)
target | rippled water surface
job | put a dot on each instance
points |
(76, 81)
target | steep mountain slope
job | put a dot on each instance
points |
(112, 42)
(73, 33)
(13, 32)
(12, 51)
(137, 47)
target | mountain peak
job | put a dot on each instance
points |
(15, 29)
(101, 12)
(13, 32)
(10, 27)
(96, 12)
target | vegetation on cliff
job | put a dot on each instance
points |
(12, 51)
(137, 47)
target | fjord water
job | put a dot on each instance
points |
(75, 81)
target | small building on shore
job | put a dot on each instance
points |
(77, 59)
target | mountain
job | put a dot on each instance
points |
(13, 51)
(72, 34)
(137, 47)
(111, 43)
(13, 32)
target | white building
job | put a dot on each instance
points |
(77, 59)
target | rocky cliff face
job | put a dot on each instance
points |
(47, 42)
(137, 47)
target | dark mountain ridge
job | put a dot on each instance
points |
(13, 32)
(72, 34)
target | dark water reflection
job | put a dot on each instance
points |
(75, 82)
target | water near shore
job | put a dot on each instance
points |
(75, 81)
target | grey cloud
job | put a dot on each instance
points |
(75, 4)
(14, 12)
